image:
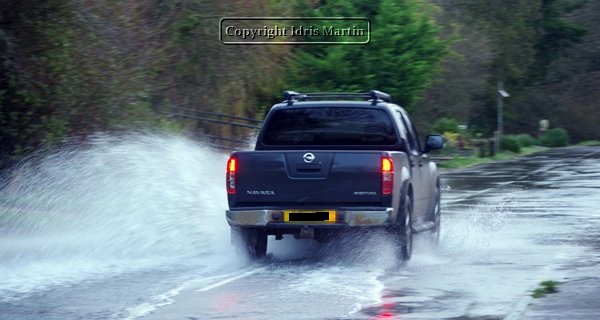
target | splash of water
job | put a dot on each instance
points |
(122, 202)
(477, 232)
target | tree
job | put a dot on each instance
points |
(401, 58)
(70, 68)
(543, 50)
(555, 35)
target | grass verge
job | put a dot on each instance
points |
(589, 143)
(461, 162)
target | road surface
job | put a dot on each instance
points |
(506, 227)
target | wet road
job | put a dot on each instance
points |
(506, 227)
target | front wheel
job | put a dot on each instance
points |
(436, 217)
(250, 242)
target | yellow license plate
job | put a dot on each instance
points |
(309, 216)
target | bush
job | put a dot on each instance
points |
(557, 137)
(445, 125)
(525, 140)
(510, 143)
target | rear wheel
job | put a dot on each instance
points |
(250, 242)
(402, 231)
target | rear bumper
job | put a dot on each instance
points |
(345, 218)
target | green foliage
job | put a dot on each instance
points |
(557, 137)
(401, 58)
(445, 125)
(520, 43)
(463, 162)
(525, 140)
(510, 143)
(168, 125)
(545, 287)
(510, 28)
(589, 143)
(63, 77)
(460, 162)
(558, 35)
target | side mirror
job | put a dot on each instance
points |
(433, 142)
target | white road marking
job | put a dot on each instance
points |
(226, 281)
(165, 299)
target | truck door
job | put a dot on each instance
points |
(418, 170)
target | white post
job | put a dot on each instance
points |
(501, 95)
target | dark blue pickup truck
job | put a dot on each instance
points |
(328, 163)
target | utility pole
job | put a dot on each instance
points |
(501, 95)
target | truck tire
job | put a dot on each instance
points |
(406, 234)
(436, 216)
(402, 233)
(250, 242)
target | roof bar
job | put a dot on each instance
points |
(374, 96)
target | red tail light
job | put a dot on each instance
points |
(230, 178)
(387, 175)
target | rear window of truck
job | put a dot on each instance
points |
(329, 126)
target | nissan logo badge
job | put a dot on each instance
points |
(308, 157)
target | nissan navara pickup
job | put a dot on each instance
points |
(328, 163)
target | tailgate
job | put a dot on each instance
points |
(305, 178)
